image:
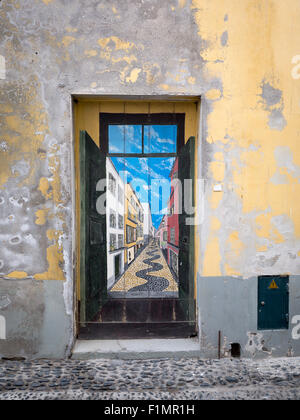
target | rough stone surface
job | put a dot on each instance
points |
(163, 379)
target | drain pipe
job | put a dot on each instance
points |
(219, 345)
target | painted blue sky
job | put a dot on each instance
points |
(128, 138)
(149, 177)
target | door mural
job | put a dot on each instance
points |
(146, 271)
(141, 199)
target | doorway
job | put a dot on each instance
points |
(117, 266)
(131, 186)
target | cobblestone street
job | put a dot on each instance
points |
(163, 379)
(148, 273)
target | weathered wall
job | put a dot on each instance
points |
(229, 305)
(241, 56)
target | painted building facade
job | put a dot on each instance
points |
(233, 69)
(173, 222)
(140, 240)
(115, 191)
(148, 228)
(134, 230)
(162, 235)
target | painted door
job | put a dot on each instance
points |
(273, 302)
(117, 266)
(93, 277)
(149, 195)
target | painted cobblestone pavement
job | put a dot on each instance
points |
(163, 379)
(148, 273)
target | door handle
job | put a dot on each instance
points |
(262, 303)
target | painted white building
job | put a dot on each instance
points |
(149, 230)
(115, 211)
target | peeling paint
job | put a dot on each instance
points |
(277, 120)
(256, 344)
(224, 39)
(4, 301)
(17, 275)
(259, 115)
(296, 68)
(54, 258)
(41, 216)
(271, 95)
(134, 74)
(67, 40)
(91, 53)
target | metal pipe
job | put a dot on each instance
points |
(219, 345)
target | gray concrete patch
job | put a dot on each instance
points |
(277, 120)
(224, 39)
(271, 95)
(224, 302)
(37, 330)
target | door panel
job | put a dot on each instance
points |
(93, 230)
(186, 171)
(273, 302)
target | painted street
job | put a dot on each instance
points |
(163, 379)
(149, 272)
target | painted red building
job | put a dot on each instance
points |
(173, 221)
(162, 235)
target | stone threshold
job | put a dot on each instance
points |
(136, 349)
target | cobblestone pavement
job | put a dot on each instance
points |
(162, 379)
(148, 273)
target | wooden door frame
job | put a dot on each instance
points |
(75, 175)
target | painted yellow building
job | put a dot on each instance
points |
(132, 224)
(140, 226)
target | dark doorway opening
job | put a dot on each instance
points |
(235, 350)
(117, 266)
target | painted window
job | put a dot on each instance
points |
(112, 219)
(120, 241)
(174, 262)
(112, 184)
(112, 241)
(172, 209)
(160, 138)
(120, 221)
(172, 235)
(130, 234)
(125, 139)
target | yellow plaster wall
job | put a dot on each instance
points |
(263, 39)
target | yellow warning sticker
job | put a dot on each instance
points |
(273, 285)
